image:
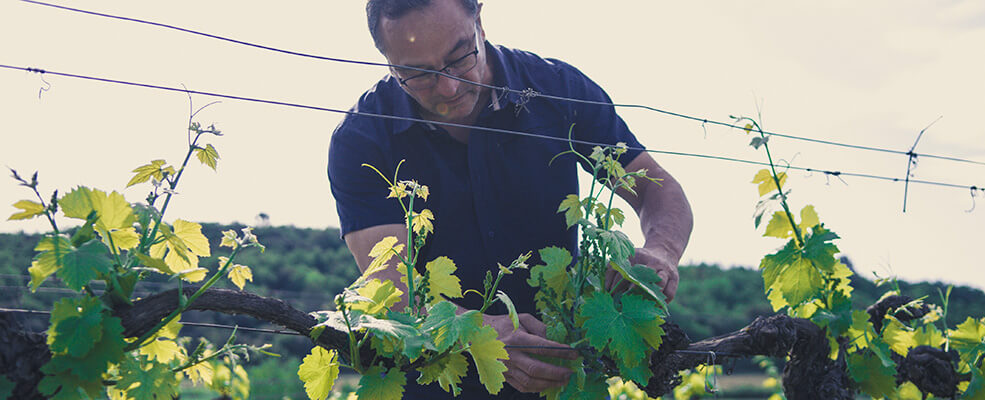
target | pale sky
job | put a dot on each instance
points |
(871, 73)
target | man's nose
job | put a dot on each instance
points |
(447, 87)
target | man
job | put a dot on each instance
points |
(494, 195)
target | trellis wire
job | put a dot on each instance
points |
(524, 93)
(473, 127)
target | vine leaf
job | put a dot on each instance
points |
(83, 264)
(76, 326)
(50, 250)
(447, 371)
(446, 328)
(379, 297)
(487, 351)
(511, 309)
(643, 277)
(162, 347)
(155, 169)
(819, 249)
(571, 207)
(607, 326)
(318, 371)
(872, 377)
(85, 372)
(554, 272)
(779, 226)
(77, 203)
(765, 181)
(113, 209)
(380, 384)
(141, 382)
(442, 280)
(30, 209)
(208, 156)
(899, 338)
(800, 282)
(239, 274)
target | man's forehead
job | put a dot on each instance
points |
(427, 35)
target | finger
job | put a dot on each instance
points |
(524, 383)
(671, 289)
(533, 325)
(535, 370)
(529, 343)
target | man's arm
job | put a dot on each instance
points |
(525, 373)
(666, 221)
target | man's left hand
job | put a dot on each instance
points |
(663, 263)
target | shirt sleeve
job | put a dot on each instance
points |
(593, 122)
(360, 193)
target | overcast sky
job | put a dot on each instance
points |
(872, 73)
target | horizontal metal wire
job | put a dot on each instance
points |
(526, 92)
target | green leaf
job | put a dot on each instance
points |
(81, 265)
(76, 326)
(646, 319)
(29, 209)
(571, 207)
(606, 326)
(89, 368)
(645, 278)
(872, 377)
(77, 203)
(968, 334)
(318, 371)
(487, 351)
(448, 371)
(502, 296)
(861, 330)
(380, 384)
(800, 282)
(207, 155)
(446, 328)
(555, 272)
(772, 265)
(819, 249)
(143, 378)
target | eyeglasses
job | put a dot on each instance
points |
(457, 68)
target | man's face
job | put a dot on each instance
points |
(434, 38)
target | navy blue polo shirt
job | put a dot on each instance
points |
(493, 198)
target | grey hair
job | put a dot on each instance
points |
(393, 9)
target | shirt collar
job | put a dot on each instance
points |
(405, 106)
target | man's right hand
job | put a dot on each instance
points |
(526, 373)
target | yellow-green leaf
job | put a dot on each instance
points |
(318, 372)
(77, 203)
(381, 252)
(39, 272)
(239, 274)
(145, 172)
(30, 209)
(968, 334)
(382, 295)
(49, 259)
(442, 279)
(422, 222)
(191, 234)
(808, 218)
(765, 181)
(201, 372)
(448, 371)
(928, 335)
(487, 351)
(208, 156)
(163, 350)
(193, 275)
(779, 226)
(113, 210)
(228, 239)
(124, 239)
(900, 338)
